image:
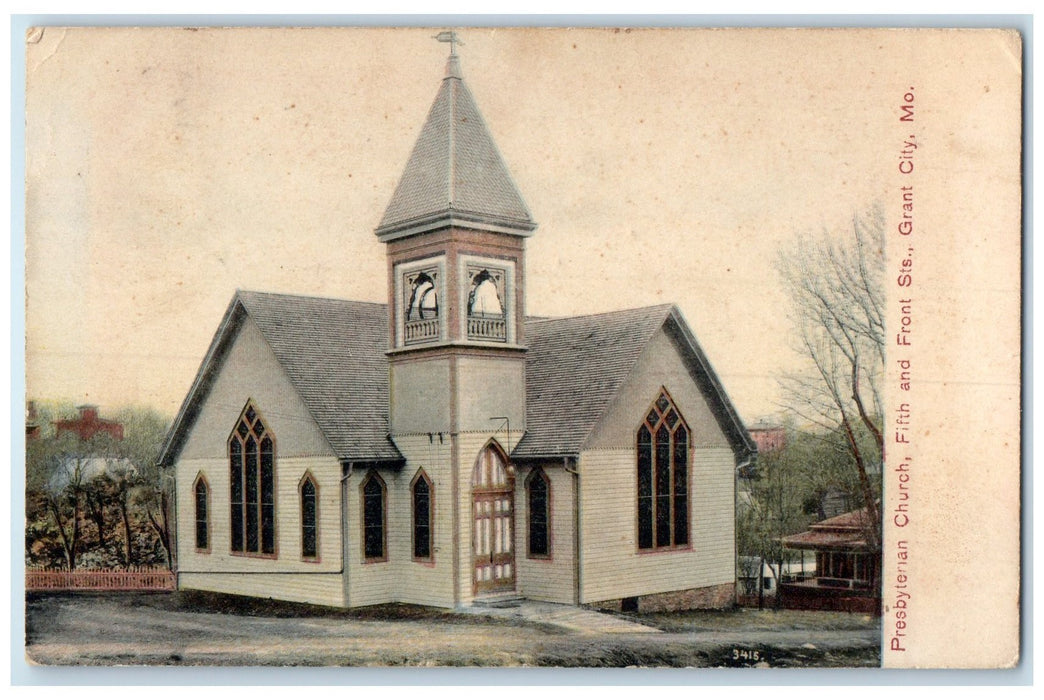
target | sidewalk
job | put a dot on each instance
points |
(570, 617)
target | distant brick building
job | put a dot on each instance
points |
(768, 437)
(32, 422)
(88, 425)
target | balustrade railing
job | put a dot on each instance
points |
(486, 328)
(420, 331)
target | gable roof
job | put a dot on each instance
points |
(333, 353)
(455, 173)
(575, 367)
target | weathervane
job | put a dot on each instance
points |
(449, 37)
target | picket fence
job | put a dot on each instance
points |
(131, 579)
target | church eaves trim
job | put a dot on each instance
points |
(728, 417)
(568, 401)
(300, 331)
(208, 367)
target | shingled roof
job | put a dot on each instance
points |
(576, 365)
(455, 173)
(843, 532)
(573, 368)
(333, 353)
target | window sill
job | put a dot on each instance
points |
(666, 550)
(254, 555)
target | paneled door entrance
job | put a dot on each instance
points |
(493, 531)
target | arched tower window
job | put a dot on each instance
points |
(251, 450)
(374, 508)
(420, 305)
(201, 491)
(538, 501)
(663, 477)
(309, 518)
(486, 303)
(423, 301)
(421, 493)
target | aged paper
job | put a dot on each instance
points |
(167, 168)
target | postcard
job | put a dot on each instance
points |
(589, 347)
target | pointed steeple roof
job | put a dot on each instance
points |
(455, 174)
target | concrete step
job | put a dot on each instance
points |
(503, 600)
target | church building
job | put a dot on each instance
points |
(444, 448)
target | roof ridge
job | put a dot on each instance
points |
(295, 295)
(666, 306)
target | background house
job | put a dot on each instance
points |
(847, 567)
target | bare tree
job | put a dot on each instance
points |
(836, 286)
(144, 490)
(57, 472)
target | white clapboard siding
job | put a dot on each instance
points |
(551, 579)
(611, 565)
(322, 589)
(401, 578)
(297, 579)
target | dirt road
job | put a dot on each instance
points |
(83, 629)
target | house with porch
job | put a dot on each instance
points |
(847, 569)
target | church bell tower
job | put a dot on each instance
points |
(455, 231)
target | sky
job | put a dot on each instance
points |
(166, 168)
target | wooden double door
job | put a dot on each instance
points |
(493, 526)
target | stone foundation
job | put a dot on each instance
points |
(707, 598)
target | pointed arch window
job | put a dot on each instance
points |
(374, 507)
(538, 501)
(421, 493)
(201, 492)
(251, 450)
(309, 518)
(663, 477)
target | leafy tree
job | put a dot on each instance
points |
(771, 509)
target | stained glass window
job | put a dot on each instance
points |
(202, 515)
(309, 529)
(251, 457)
(539, 510)
(663, 477)
(422, 515)
(373, 517)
